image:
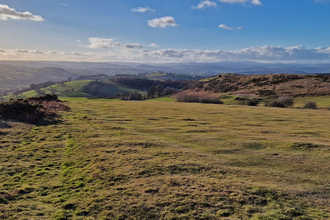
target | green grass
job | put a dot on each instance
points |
(209, 79)
(105, 88)
(322, 101)
(162, 99)
(166, 160)
(168, 76)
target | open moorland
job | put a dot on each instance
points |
(108, 159)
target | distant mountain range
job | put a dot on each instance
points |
(14, 74)
(204, 69)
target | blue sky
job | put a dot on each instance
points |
(165, 31)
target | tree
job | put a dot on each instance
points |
(135, 95)
(33, 86)
(160, 89)
(152, 92)
(95, 88)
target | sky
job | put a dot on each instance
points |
(154, 31)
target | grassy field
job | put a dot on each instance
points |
(322, 101)
(65, 90)
(110, 159)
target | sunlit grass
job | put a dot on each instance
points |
(322, 101)
(112, 159)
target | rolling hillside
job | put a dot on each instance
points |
(18, 76)
(83, 88)
(102, 85)
(107, 159)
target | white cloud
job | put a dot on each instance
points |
(261, 54)
(64, 4)
(133, 46)
(104, 43)
(295, 54)
(205, 4)
(153, 45)
(23, 54)
(10, 13)
(100, 43)
(36, 52)
(225, 27)
(162, 22)
(143, 9)
(255, 2)
(75, 54)
(229, 28)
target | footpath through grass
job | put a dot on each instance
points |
(166, 160)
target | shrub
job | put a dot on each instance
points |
(188, 98)
(286, 101)
(193, 98)
(274, 104)
(32, 110)
(253, 102)
(22, 110)
(211, 101)
(281, 102)
(310, 105)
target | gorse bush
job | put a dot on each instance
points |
(253, 102)
(310, 105)
(281, 102)
(193, 98)
(188, 98)
(286, 101)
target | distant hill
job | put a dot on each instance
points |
(83, 88)
(201, 69)
(108, 87)
(20, 76)
(150, 76)
(170, 76)
(269, 85)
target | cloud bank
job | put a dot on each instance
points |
(135, 53)
(261, 54)
(104, 43)
(10, 13)
(22, 54)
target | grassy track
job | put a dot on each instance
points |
(167, 160)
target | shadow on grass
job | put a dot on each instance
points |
(47, 122)
(4, 124)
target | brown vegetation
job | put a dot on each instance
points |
(281, 102)
(310, 105)
(32, 110)
(272, 85)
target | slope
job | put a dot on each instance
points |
(154, 160)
